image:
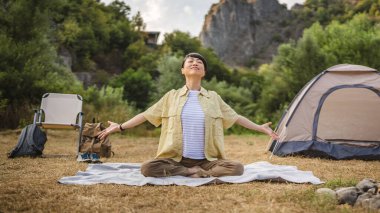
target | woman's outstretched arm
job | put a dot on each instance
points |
(115, 127)
(245, 122)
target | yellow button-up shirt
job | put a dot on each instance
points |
(167, 111)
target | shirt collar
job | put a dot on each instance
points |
(184, 91)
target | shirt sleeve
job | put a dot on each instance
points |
(229, 115)
(154, 113)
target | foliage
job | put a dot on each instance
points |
(236, 97)
(88, 28)
(138, 22)
(95, 36)
(106, 104)
(29, 65)
(170, 75)
(325, 11)
(354, 42)
(182, 43)
(137, 86)
(105, 41)
(133, 53)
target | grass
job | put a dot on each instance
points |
(30, 185)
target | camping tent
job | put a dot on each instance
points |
(335, 115)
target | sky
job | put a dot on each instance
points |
(166, 16)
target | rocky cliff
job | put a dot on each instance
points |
(248, 32)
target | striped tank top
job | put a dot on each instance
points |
(193, 127)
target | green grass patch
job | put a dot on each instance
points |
(336, 183)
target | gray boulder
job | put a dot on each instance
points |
(326, 192)
(364, 200)
(372, 191)
(367, 184)
(374, 203)
(368, 201)
(347, 195)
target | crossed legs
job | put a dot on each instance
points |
(190, 167)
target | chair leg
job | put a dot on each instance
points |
(79, 140)
(80, 120)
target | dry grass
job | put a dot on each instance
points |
(31, 184)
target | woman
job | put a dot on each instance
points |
(192, 118)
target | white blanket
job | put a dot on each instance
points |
(129, 174)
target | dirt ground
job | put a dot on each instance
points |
(30, 184)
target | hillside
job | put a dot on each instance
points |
(248, 32)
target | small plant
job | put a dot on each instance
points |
(277, 38)
(336, 183)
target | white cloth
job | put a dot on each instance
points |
(193, 127)
(129, 174)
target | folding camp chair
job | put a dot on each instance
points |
(60, 111)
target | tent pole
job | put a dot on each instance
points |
(274, 149)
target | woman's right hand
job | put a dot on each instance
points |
(113, 127)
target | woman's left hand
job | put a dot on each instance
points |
(266, 128)
(113, 127)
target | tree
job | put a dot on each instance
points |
(169, 67)
(182, 43)
(137, 85)
(354, 42)
(138, 22)
(120, 9)
(29, 65)
(96, 35)
(133, 53)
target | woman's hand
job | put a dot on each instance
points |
(113, 127)
(269, 131)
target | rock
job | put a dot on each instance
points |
(326, 192)
(347, 195)
(368, 201)
(85, 77)
(240, 30)
(374, 202)
(66, 57)
(363, 200)
(372, 191)
(367, 184)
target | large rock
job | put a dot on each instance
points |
(368, 201)
(240, 31)
(66, 57)
(326, 192)
(364, 200)
(347, 195)
(85, 77)
(374, 203)
(367, 184)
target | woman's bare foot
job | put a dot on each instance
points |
(197, 172)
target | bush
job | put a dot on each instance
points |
(169, 67)
(106, 104)
(137, 87)
(354, 42)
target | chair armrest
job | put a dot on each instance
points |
(80, 119)
(38, 115)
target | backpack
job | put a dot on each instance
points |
(31, 142)
(91, 143)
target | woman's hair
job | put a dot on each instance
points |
(195, 55)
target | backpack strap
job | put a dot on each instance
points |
(92, 144)
(19, 144)
(33, 136)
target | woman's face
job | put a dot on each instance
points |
(193, 67)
